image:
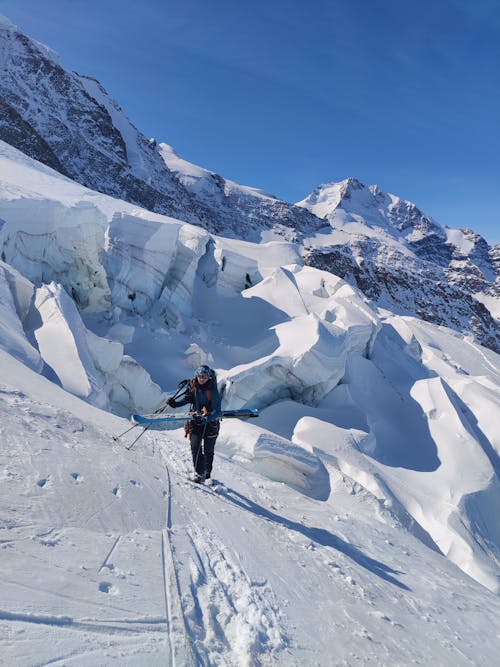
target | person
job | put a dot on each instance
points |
(203, 428)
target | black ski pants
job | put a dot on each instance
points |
(202, 437)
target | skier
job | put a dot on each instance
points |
(203, 428)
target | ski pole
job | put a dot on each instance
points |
(117, 437)
(129, 447)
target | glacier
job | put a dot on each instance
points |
(125, 303)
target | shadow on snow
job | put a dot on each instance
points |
(319, 536)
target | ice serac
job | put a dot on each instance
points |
(86, 365)
(48, 241)
(412, 424)
(63, 346)
(15, 297)
(445, 499)
(276, 458)
(404, 260)
(312, 344)
(152, 265)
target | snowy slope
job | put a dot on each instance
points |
(111, 557)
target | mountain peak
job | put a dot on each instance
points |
(9, 30)
(325, 199)
(6, 24)
(351, 184)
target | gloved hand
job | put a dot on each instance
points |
(172, 403)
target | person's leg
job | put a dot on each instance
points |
(195, 440)
(211, 433)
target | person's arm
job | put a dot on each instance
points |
(182, 400)
(214, 404)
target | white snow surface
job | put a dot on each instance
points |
(203, 181)
(356, 520)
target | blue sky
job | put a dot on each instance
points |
(285, 95)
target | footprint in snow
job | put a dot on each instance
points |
(106, 587)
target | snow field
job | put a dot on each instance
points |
(259, 573)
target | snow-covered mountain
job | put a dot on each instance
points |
(69, 122)
(394, 253)
(356, 522)
(405, 261)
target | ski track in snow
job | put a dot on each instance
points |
(193, 587)
(232, 621)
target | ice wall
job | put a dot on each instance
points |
(63, 346)
(15, 297)
(85, 364)
(47, 241)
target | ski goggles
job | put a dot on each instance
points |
(203, 372)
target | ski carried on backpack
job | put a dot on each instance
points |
(166, 420)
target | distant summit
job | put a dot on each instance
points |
(404, 260)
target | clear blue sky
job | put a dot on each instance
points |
(287, 94)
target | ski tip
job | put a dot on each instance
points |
(139, 419)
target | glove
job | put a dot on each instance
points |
(172, 403)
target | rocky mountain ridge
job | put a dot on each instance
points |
(404, 260)
(68, 121)
(400, 257)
